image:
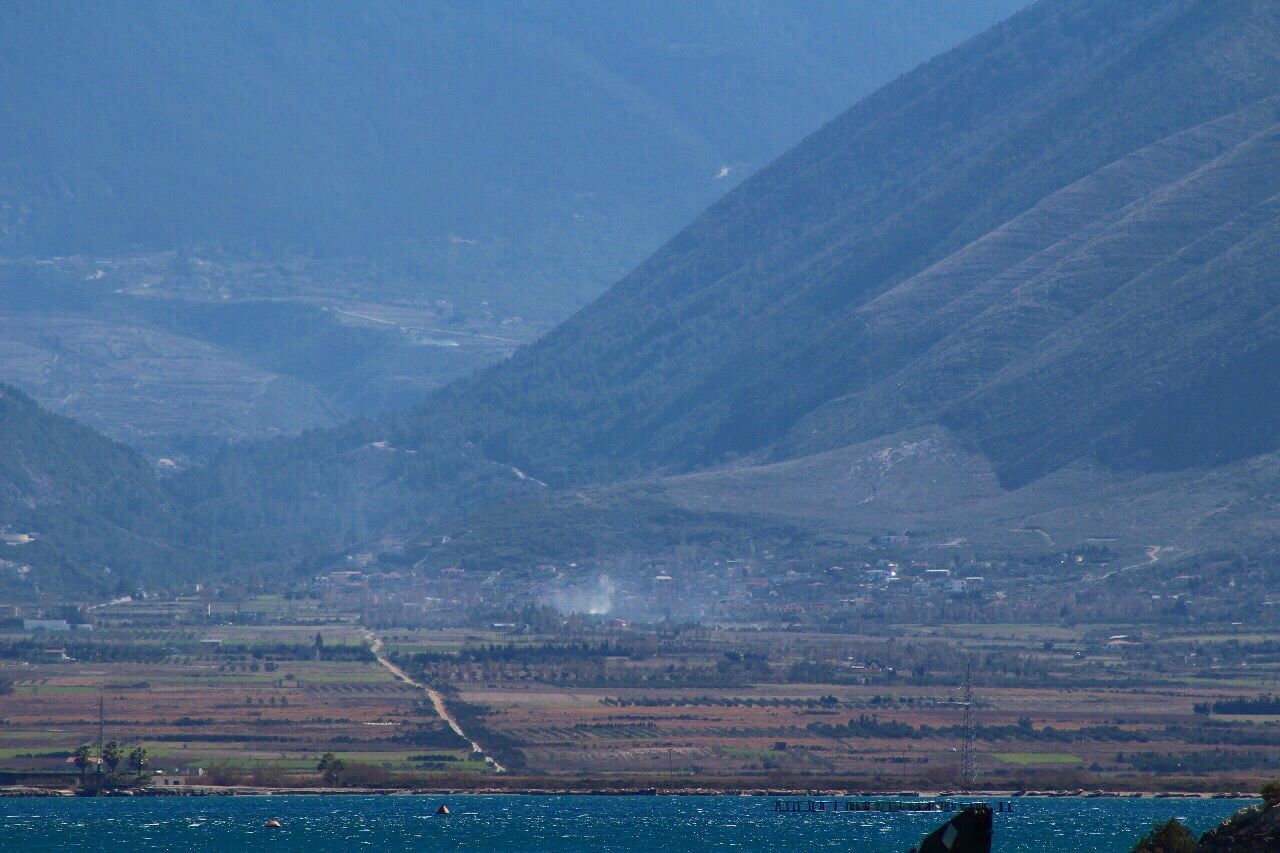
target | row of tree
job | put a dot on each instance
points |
(1266, 704)
(137, 766)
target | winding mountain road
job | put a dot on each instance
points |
(437, 700)
(1154, 553)
(124, 599)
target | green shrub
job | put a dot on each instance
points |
(1168, 837)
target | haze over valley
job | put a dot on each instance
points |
(291, 217)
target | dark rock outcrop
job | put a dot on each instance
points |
(970, 831)
(1168, 837)
(1252, 830)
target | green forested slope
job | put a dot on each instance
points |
(98, 518)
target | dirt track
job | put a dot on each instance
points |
(437, 700)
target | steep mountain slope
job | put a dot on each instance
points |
(1122, 296)
(81, 513)
(767, 308)
(1057, 242)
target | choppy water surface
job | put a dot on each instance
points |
(561, 824)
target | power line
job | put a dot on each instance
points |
(102, 728)
(968, 772)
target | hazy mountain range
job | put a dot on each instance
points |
(1023, 295)
(371, 128)
(424, 187)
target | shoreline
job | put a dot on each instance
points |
(686, 791)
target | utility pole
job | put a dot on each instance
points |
(967, 770)
(102, 728)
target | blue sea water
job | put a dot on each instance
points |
(529, 824)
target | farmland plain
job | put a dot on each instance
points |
(256, 690)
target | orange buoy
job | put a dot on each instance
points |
(274, 823)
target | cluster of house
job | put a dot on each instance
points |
(920, 578)
(13, 539)
(757, 588)
(55, 625)
(41, 625)
(160, 779)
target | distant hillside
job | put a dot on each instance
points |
(531, 150)
(171, 375)
(1056, 243)
(82, 513)
(288, 215)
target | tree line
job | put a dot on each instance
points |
(1265, 704)
(107, 763)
